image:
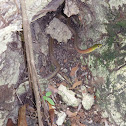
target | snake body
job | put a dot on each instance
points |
(53, 59)
(76, 41)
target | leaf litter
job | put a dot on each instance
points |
(69, 97)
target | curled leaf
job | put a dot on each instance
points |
(22, 116)
(10, 122)
(76, 84)
(74, 70)
(51, 113)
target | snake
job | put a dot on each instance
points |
(53, 60)
(91, 49)
(51, 53)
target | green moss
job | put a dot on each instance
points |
(113, 52)
(107, 57)
(112, 29)
(121, 23)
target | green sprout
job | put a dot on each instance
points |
(46, 98)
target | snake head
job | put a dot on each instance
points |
(96, 46)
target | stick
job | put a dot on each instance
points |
(30, 59)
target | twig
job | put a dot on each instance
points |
(18, 97)
(30, 59)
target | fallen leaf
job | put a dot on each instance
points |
(62, 83)
(76, 121)
(53, 89)
(71, 114)
(82, 124)
(51, 113)
(65, 60)
(42, 69)
(83, 68)
(22, 116)
(76, 84)
(73, 124)
(76, 79)
(90, 90)
(74, 70)
(10, 122)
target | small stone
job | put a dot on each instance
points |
(68, 96)
(87, 101)
(61, 118)
(59, 30)
(71, 8)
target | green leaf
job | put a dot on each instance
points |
(48, 93)
(50, 101)
(44, 97)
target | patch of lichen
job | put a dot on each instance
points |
(113, 50)
(113, 54)
(107, 57)
(116, 27)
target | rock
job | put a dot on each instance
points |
(71, 8)
(61, 118)
(87, 101)
(68, 96)
(58, 30)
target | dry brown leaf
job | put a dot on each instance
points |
(10, 122)
(83, 68)
(53, 89)
(42, 69)
(73, 124)
(71, 114)
(82, 124)
(65, 60)
(74, 70)
(76, 84)
(51, 113)
(90, 90)
(22, 116)
(76, 79)
(63, 83)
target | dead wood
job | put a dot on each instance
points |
(30, 59)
